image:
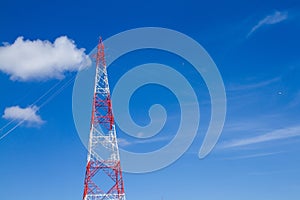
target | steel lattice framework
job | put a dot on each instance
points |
(103, 153)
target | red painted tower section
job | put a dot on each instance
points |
(103, 178)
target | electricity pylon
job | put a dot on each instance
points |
(103, 158)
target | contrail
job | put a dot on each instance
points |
(51, 97)
(57, 92)
(13, 128)
(35, 102)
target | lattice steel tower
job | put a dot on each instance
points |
(103, 159)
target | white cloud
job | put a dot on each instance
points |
(275, 18)
(26, 60)
(278, 134)
(27, 115)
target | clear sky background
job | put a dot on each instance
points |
(255, 45)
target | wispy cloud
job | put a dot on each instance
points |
(26, 60)
(27, 115)
(257, 155)
(275, 18)
(251, 86)
(124, 142)
(278, 134)
(296, 101)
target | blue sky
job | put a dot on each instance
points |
(256, 48)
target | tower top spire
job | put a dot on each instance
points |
(100, 56)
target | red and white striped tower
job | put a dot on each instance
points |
(103, 159)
